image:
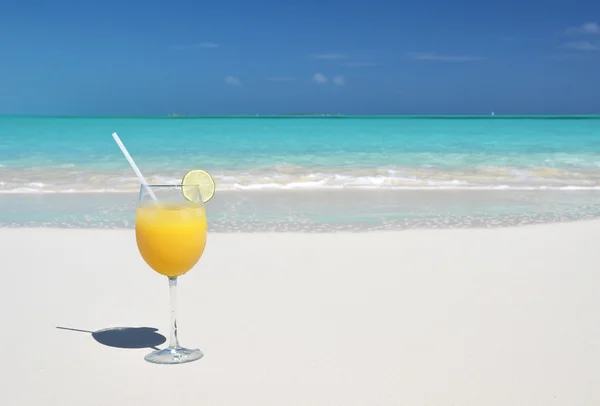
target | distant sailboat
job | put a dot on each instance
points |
(492, 113)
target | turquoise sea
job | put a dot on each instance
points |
(307, 173)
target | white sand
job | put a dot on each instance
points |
(456, 317)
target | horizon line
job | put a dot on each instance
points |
(301, 115)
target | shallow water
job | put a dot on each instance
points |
(45, 154)
(317, 211)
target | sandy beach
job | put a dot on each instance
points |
(442, 317)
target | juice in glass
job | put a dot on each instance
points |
(171, 237)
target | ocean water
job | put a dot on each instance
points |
(307, 173)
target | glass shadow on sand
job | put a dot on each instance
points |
(125, 337)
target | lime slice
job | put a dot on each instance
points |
(198, 179)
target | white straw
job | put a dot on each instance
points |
(134, 166)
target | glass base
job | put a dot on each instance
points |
(174, 355)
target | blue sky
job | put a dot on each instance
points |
(266, 56)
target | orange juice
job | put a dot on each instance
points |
(171, 238)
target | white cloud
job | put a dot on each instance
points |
(585, 28)
(582, 46)
(208, 45)
(281, 79)
(202, 45)
(331, 57)
(430, 56)
(319, 78)
(362, 64)
(339, 80)
(233, 81)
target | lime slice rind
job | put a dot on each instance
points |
(198, 180)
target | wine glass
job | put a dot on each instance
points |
(170, 230)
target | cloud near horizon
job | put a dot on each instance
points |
(431, 56)
(585, 28)
(233, 81)
(331, 57)
(582, 45)
(339, 80)
(319, 78)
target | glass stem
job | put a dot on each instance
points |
(173, 342)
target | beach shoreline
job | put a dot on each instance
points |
(317, 210)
